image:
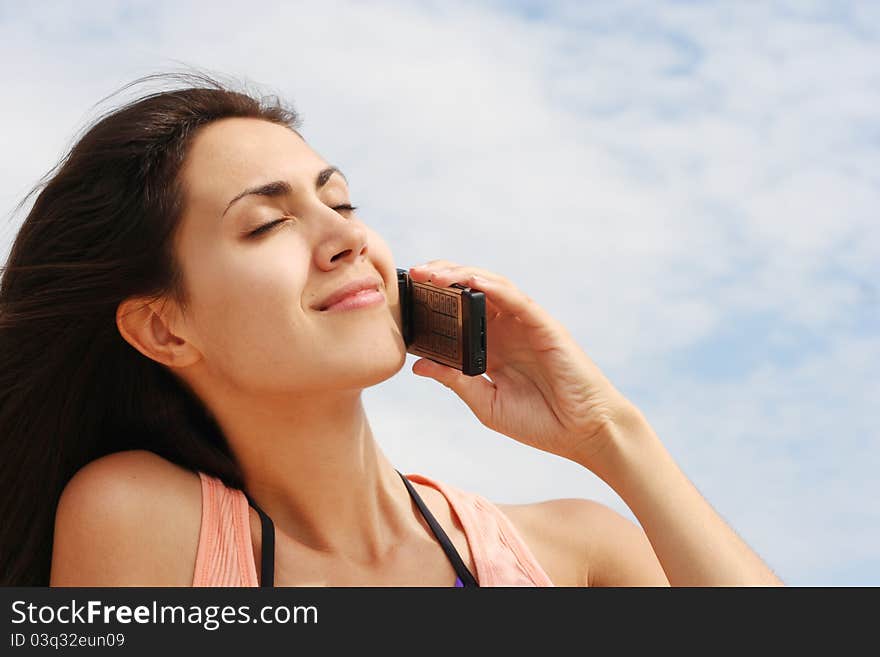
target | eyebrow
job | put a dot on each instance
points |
(283, 188)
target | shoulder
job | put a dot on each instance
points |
(130, 518)
(582, 542)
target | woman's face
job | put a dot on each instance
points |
(253, 311)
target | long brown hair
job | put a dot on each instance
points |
(100, 231)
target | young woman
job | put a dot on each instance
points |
(180, 388)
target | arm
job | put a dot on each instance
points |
(693, 544)
(582, 542)
(618, 551)
(544, 391)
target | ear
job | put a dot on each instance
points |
(149, 327)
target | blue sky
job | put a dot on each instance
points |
(692, 188)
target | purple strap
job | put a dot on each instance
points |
(459, 583)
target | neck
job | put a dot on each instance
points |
(313, 465)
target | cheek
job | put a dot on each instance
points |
(253, 324)
(246, 304)
(383, 261)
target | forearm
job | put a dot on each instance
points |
(693, 544)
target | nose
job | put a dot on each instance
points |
(344, 238)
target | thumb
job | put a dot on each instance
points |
(476, 391)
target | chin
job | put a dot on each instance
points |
(372, 366)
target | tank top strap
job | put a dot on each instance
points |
(464, 575)
(464, 578)
(225, 552)
(267, 558)
(500, 553)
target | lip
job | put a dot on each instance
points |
(349, 293)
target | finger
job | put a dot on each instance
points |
(442, 263)
(477, 392)
(508, 298)
(444, 273)
(425, 273)
(500, 292)
(460, 274)
(445, 277)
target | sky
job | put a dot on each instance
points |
(691, 188)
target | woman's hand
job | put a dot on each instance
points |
(544, 390)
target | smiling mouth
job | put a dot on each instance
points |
(359, 299)
(352, 288)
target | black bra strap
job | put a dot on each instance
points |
(267, 550)
(460, 568)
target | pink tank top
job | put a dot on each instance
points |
(225, 555)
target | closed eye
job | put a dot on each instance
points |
(345, 207)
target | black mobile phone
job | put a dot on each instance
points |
(445, 324)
